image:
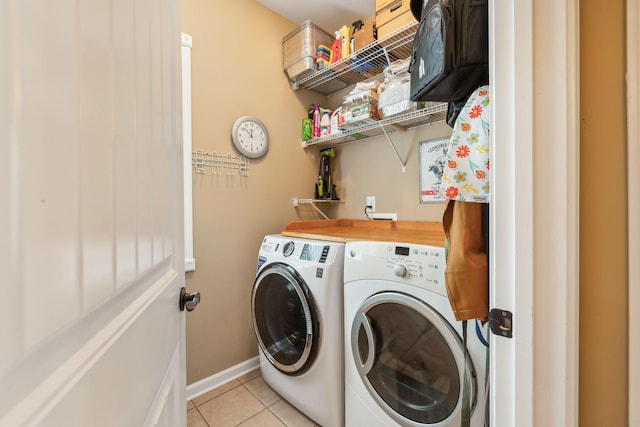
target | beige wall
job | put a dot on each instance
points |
(603, 232)
(237, 70)
(371, 168)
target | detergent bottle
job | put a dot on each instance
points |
(307, 129)
(316, 120)
(325, 124)
(336, 49)
(345, 41)
(333, 126)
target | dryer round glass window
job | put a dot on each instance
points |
(284, 319)
(410, 359)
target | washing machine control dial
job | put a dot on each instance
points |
(288, 248)
(400, 270)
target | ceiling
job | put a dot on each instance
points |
(329, 15)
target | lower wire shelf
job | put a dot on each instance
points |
(436, 112)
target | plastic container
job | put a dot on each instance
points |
(325, 124)
(394, 98)
(345, 41)
(299, 48)
(335, 120)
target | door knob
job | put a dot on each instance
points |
(187, 300)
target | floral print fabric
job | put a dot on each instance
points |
(466, 175)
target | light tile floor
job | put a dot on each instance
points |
(248, 402)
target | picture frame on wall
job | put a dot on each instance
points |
(432, 155)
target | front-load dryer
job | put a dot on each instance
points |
(404, 356)
(297, 311)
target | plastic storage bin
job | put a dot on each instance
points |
(394, 99)
(299, 48)
(359, 109)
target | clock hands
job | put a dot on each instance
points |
(249, 132)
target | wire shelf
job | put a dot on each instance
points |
(435, 112)
(361, 65)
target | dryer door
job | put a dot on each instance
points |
(284, 318)
(410, 359)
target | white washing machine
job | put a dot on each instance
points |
(404, 356)
(297, 311)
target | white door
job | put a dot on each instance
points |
(91, 232)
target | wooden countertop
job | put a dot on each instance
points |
(344, 230)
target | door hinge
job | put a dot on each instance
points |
(501, 322)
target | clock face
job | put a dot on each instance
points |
(250, 137)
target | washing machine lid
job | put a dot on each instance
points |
(410, 359)
(284, 318)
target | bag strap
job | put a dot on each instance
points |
(466, 398)
(487, 417)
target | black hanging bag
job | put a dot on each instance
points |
(450, 52)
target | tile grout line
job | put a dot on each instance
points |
(254, 415)
(257, 397)
(246, 388)
(202, 416)
(209, 400)
(276, 415)
(240, 384)
(238, 379)
(215, 397)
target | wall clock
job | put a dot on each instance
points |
(250, 137)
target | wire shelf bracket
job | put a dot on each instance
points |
(297, 202)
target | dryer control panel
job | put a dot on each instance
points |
(419, 265)
(302, 250)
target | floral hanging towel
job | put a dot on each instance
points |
(466, 171)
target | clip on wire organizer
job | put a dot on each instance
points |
(219, 164)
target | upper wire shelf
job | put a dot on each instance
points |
(219, 164)
(361, 65)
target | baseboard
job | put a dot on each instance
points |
(207, 384)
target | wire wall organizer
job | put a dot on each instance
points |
(219, 164)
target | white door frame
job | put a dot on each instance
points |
(633, 179)
(187, 44)
(534, 57)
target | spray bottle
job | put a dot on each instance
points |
(316, 120)
(336, 49)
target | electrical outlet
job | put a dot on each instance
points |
(371, 201)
